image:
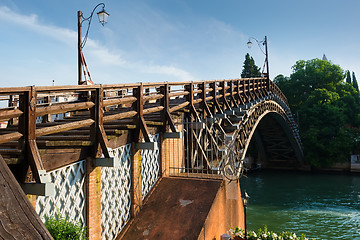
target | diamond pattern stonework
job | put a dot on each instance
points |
(69, 198)
(115, 193)
(150, 166)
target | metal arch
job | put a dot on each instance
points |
(245, 133)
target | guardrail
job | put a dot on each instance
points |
(98, 109)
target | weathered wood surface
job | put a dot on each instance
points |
(18, 219)
(109, 111)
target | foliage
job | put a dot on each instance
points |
(348, 77)
(355, 83)
(327, 109)
(250, 70)
(62, 228)
(264, 234)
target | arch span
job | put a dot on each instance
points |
(270, 120)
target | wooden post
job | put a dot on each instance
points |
(165, 113)
(190, 98)
(27, 126)
(138, 105)
(97, 131)
(204, 103)
(225, 102)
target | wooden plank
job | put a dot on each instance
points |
(54, 158)
(7, 114)
(180, 106)
(119, 116)
(124, 100)
(152, 110)
(66, 107)
(63, 127)
(153, 97)
(177, 94)
(4, 138)
(34, 159)
(18, 217)
(103, 141)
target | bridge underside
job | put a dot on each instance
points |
(272, 146)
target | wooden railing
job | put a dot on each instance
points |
(30, 111)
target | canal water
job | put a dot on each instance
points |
(323, 206)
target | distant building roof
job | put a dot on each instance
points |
(324, 58)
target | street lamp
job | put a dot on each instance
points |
(103, 16)
(264, 43)
(245, 197)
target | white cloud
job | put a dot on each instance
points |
(95, 50)
(32, 23)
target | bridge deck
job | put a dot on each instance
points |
(17, 216)
(176, 209)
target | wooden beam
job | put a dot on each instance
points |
(66, 107)
(35, 160)
(180, 106)
(63, 127)
(152, 110)
(139, 117)
(7, 114)
(4, 138)
(19, 218)
(119, 116)
(118, 101)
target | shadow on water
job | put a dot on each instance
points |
(323, 206)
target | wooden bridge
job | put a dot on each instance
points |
(200, 129)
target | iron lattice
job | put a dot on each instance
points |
(115, 193)
(150, 166)
(70, 197)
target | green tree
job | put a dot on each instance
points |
(355, 83)
(250, 69)
(327, 107)
(348, 77)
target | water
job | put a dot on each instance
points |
(323, 206)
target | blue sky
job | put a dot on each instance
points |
(171, 40)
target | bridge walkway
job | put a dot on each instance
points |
(54, 130)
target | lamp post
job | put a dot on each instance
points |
(245, 197)
(264, 43)
(103, 16)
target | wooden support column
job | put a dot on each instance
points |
(225, 102)
(97, 131)
(263, 87)
(215, 105)
(27, 127)
(190, 99)
(97, 111)
(204, 103)
(165, 113)
(138, 105)
(245, 91)
(239, 97)
(251, 89)
(268, 84)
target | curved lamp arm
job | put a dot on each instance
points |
(103, 15)
(263, 42)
